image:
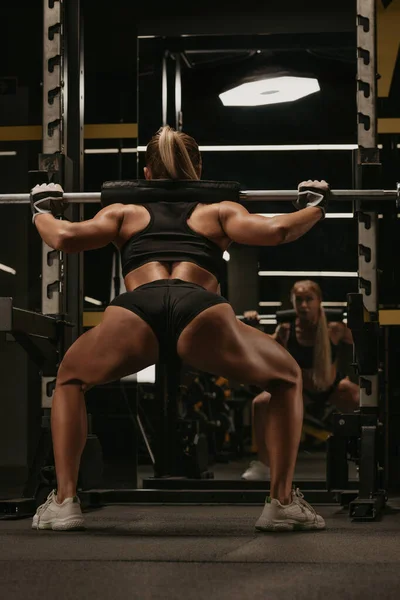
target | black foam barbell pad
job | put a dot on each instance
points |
(287, 316)
(140, 191)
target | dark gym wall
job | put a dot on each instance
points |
(226, 18)
(19, 246)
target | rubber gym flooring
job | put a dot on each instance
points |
(196, 552)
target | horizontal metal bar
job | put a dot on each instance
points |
(200, 496)
(192, 44)
(36, 324)
(18, 320)
(246, 196)
(17, 508)
(74, 198)
(290, 195)
(180, 483)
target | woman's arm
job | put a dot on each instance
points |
(281, 334)
(341, 333)
(245, 228)
(347, 336)
(78, 236)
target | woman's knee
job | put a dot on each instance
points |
(74, 370)
(69, 373)
(290, 373)
(261, 400)
(349, 390)
(295, 373)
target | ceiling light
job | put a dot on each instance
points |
(270, 90)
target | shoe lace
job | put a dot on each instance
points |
(303, 503)
(42, 507)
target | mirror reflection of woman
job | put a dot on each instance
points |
(313, 343)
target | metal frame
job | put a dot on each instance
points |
(164, 90)
(18, 320)
(62, 158)
(182, 495)
(74, 127)
(195, 44)
(371, 499)
(53, 147)
(166, 97)
(53, 140)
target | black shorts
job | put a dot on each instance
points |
(168, 306)
(322, 397)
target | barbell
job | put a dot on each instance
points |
(245, 196)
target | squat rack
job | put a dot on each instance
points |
(63, 42)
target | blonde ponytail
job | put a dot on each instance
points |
(187, 170)
(322, 368)
(166, 146)
(173, 154)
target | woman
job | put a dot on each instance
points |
(312, 342)
(171, 256)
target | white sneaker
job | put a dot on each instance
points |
(59, 517)
(297, 516)
(257, 471)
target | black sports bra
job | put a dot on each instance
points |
(168, 238)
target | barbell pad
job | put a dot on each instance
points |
(285, 316)
(288, 316)
(141, 191)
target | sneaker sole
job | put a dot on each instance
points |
(61, 525)
(287, 526)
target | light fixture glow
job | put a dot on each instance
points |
(8, 269)
(93, 301)
(276, 303)
(147, 375)
(308, 273)
(327, 216)
(271, 90)
(270, 303)
(276, 147)
(101, 150)
(263, 148)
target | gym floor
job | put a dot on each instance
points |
(197, 552)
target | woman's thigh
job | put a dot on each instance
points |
(217, 342)
(121, 345)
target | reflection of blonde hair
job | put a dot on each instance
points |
(322, 362)
(172, 154)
